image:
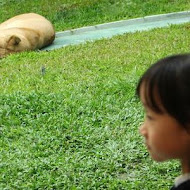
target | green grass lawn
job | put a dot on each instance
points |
(75, 126)
(69, 118)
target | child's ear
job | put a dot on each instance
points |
(13, 41)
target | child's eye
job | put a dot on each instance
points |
(149, 117)
(147, 114)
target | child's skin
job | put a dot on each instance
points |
(165, 137)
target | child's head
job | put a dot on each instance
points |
(169, 79)
(164, 90)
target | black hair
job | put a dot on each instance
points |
(169, 78)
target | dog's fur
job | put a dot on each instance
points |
(24, 33)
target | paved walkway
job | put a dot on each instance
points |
(107, 30)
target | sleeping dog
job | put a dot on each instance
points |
(25, 32)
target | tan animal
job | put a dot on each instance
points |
(25, 32)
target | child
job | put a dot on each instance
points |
(164, 91)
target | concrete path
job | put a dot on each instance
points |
(107, 30)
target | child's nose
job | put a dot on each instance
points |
(142, 130)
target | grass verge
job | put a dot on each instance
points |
(67, 14)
